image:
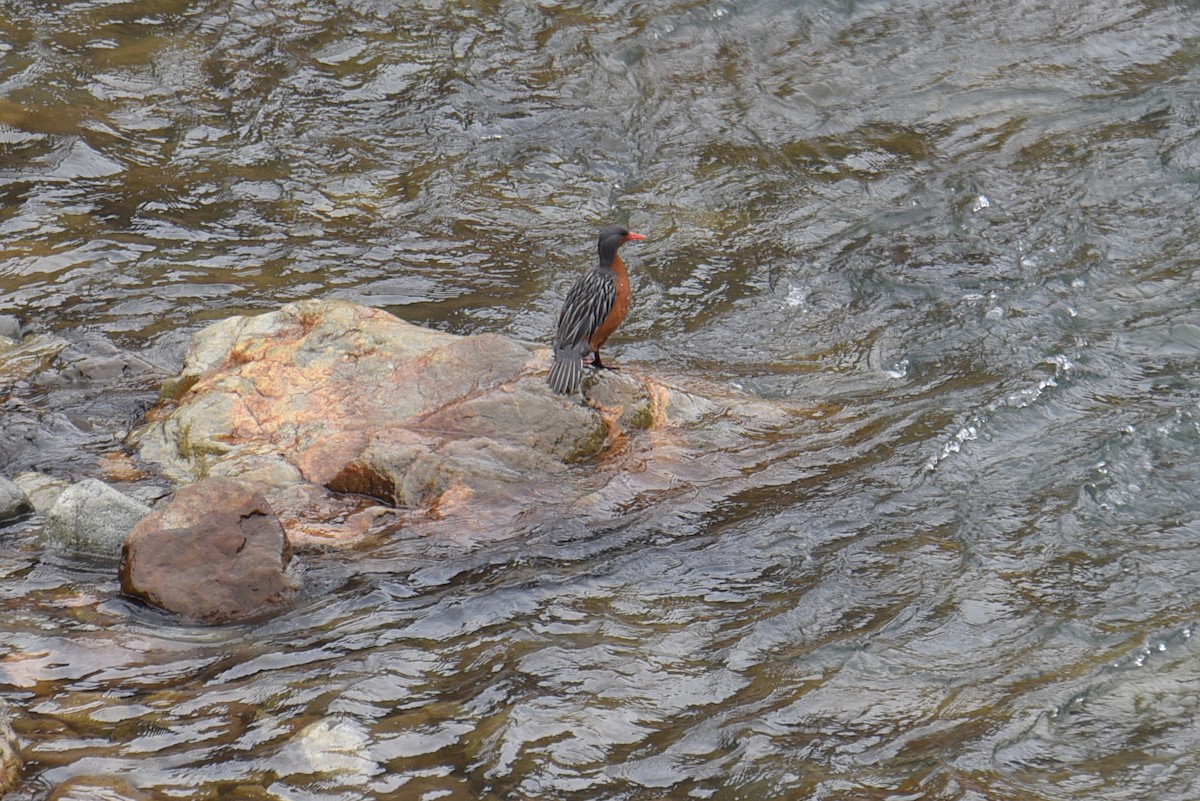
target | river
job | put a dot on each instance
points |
(962, 234)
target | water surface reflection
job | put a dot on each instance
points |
(957, 236)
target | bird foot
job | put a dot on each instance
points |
(593, 360)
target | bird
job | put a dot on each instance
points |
(594, 307)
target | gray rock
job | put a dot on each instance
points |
(92, 518)
(20, 359)
(13, 502)
(10, 327)
(41, 489)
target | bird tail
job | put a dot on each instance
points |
(566, 372)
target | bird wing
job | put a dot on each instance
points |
(590, 300)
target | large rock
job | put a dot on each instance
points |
(214, 553)
(92, 518)
(14, 503)
(349, 401)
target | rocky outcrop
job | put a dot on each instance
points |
(14, 504)
(91, 518)
(353, 422)
(215, 553)
(352, 400)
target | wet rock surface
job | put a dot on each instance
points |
(344, 398)
(62, 401)
(214, 553)
(98, 788)
(10, 330)
(42, 490)
(14, 504)
(92, 518)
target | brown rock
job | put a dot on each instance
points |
(214, 553)
(119, 466)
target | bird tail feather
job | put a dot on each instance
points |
(566, 372)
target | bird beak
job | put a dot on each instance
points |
(635, 237)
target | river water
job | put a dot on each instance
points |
(960, 234)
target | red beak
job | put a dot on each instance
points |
(635, 237)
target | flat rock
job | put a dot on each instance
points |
(329, 747)
(91, 518)
(214, 553)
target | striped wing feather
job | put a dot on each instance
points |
(590, 300)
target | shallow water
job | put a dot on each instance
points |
(960, 235)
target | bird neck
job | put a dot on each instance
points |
(608, 255)
(617, 265)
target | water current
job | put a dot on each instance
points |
(961, 234)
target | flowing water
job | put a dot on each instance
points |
(961, 233)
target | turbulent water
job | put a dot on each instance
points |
(959, 235)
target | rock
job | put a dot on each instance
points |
(214, 553)
(25, 358)
(329, 747)
(41, 489)
(10, 328)
(92, 518)
(10, 752)
(341, 398)
(98, 788)
(14, 503)
(353, 399)
(92, 360)
(119, 466)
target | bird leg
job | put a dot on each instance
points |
(596, 363)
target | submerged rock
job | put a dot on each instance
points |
(329, 747)
(10, 330)
(98, 788)
(92, 518)
(22, 358)
(14, 503)
(214, 553)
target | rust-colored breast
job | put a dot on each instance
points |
(619, 310)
